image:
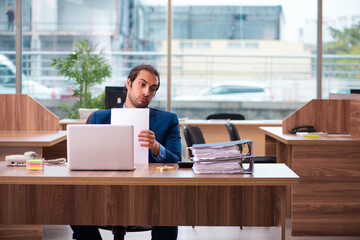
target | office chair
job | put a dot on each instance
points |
(234, 136)
(193, 135)
(233, 133)
(89, 118)
(119, 232)
(226, 116)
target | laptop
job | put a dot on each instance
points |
(100, 147)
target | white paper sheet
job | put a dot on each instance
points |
(139, 118)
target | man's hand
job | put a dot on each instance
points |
(148, 139)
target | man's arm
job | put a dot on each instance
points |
(163, 139)
(172, 142)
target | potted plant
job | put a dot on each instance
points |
(84, 68)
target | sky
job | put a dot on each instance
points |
(298, 14)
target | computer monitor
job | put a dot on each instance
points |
(114, 97)
(357, 91)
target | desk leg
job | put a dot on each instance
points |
(283, 211)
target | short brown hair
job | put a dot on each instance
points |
(135, 72)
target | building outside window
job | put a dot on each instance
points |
(270, 45)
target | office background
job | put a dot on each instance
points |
(266, 48)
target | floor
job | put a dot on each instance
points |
(56, 232)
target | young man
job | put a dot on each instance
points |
(163, 138)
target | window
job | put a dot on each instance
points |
(186, 45)
(129, 32)
(341, 55)
(203, 45)
(231, 43)
(252, 45)
(6, 75)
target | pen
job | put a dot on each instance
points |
(309, 135)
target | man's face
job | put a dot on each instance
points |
(142, 90)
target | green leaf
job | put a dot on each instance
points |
(84, 69)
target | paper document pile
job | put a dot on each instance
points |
(224, 157)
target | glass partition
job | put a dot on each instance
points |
(121, 28)
(341, 46)
(255, 58)
(7, 47)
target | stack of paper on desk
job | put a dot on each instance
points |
(224, 157)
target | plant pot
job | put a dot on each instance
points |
(85, 112)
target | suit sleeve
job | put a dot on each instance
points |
(101, 117)
(172, 143)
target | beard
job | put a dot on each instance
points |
(138, 104)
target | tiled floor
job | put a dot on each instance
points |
(56, 232)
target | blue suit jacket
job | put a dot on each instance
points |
(164, 124)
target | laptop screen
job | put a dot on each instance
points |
(100, 147)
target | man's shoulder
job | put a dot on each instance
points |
(162, 113)
(101, 117)
(103, 112)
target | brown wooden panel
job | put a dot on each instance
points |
(325, 115)
(258, 206)
(214, 133)
(23, 232)
(46, 204)
(270, 146)
(324, 193)
(98, 205)
(215, 202)
(137, 205)
(355, 118)
(19, 112)
(236, 206)
(284, 153)
(329, 192)
(327, 213)
(321, 161)
(58, 150)
(309, 228)
(170, 205)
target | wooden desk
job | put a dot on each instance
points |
(64, 122)
(46, 144)
(327, 200)
(144, 197)
(215, 131)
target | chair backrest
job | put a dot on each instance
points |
(225, 116)
(193, 135)
(233, 133)
(89, 118)
(234, 136)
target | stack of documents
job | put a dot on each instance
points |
(224, 157)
